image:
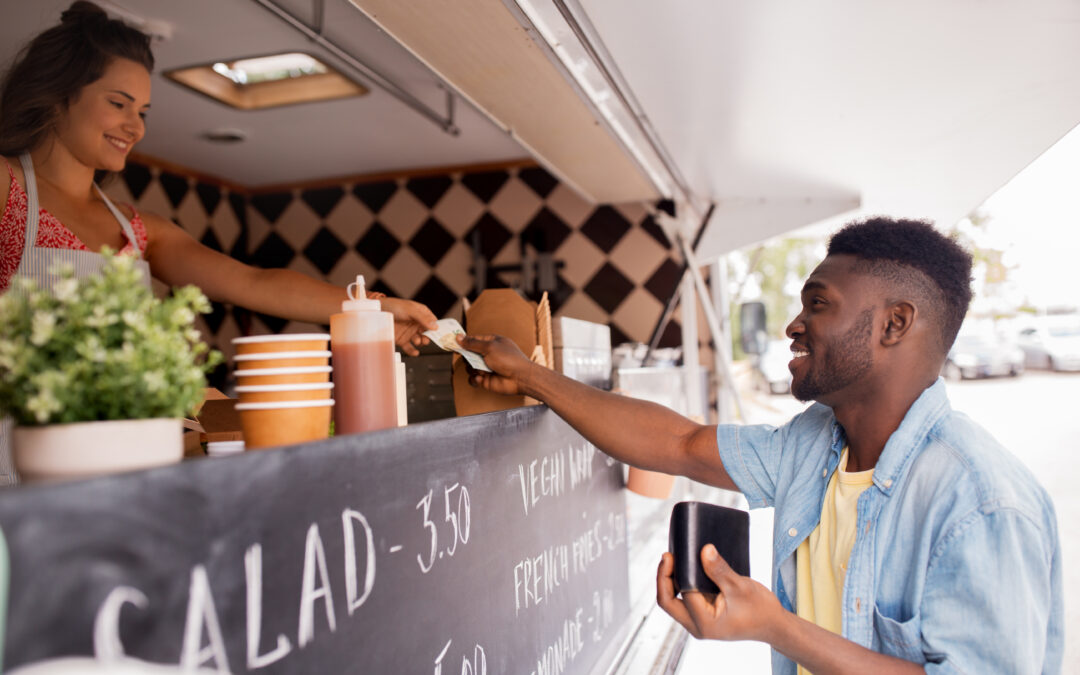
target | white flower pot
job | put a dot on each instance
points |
(85, 449)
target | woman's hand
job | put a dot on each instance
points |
(411, 319)
(743, 610)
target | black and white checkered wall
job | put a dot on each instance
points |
(417, 237)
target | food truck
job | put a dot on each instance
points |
(599, 156)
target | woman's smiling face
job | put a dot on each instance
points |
(107, 118)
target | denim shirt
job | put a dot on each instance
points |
(956, 563)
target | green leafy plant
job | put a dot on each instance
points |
(100, 348)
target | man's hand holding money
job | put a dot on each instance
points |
(511, 368)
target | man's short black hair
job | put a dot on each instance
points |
(914, 257)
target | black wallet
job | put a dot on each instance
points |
(695, 524)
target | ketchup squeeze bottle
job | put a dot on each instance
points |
(362, 344)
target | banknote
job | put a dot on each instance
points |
(446, 338)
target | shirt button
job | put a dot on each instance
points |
(888, 482)
(792, 532)
(824, 472)
(858, 605)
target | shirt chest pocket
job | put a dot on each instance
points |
(896, 638)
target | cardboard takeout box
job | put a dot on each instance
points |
(503, 312)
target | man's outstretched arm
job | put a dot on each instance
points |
(640, 433)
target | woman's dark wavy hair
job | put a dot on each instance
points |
(892, 247)
(50, 71)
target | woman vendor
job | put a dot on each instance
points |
(72, 106)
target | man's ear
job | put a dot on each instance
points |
(900, 318)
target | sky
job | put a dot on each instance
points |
(1035, 219)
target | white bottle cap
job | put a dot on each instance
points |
(358, 300)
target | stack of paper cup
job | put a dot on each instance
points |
(283, 382)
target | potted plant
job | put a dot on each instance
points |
(97, 372)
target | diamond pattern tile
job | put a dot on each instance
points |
(258, 228)
(273, 252)
(638, 313)
(214, 317)
(322, 200)
(541, 182)
(377, 245)
(581, 259)
(545, 232)
(136, 177)
(579, 306)
(438, 297)
(155, 200)
(272, 323)
(238, 204)
(349, 219)
(671, 337)
(662, 282)
(649, 226)
(176, 187)
(190, 211)
(209, 196)
(491, 235)
(458, 210)
(324, 250)
(223, 222)
(485, 184)
(429, 189)
(375, 195)
(515, 205)
(210, 240)
(455, 269)
(271, 205)
(405, 272)
(431, 241)
(296, 224)
(618, 337)
(637, 255)
(403, 214)
(413, 238)
(608, 288)
(569, 206)
(605, 227)
(348, 266)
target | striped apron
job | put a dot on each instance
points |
(37, 264)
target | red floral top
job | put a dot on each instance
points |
(51, 232)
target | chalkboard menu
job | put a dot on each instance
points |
(488, 544)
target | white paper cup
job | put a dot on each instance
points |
(224, 448)
(262, 393)
(282, 359)
(284, 422)
(298, 375)
(294, 342)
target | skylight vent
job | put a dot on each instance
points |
(268, 81)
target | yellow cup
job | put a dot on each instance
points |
(282, 359)
(284, 422)
(259, 376)
(296, 342)
(263, 393)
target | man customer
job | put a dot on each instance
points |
(906, 538)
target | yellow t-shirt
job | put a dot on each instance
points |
(821, 559)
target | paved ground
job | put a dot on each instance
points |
(1036, 416)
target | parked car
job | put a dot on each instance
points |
(771, 367)
(1051, 347)
(978, 355)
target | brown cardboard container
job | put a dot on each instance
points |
(503, 312)
(220, 420)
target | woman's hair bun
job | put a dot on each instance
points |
(83, 11)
